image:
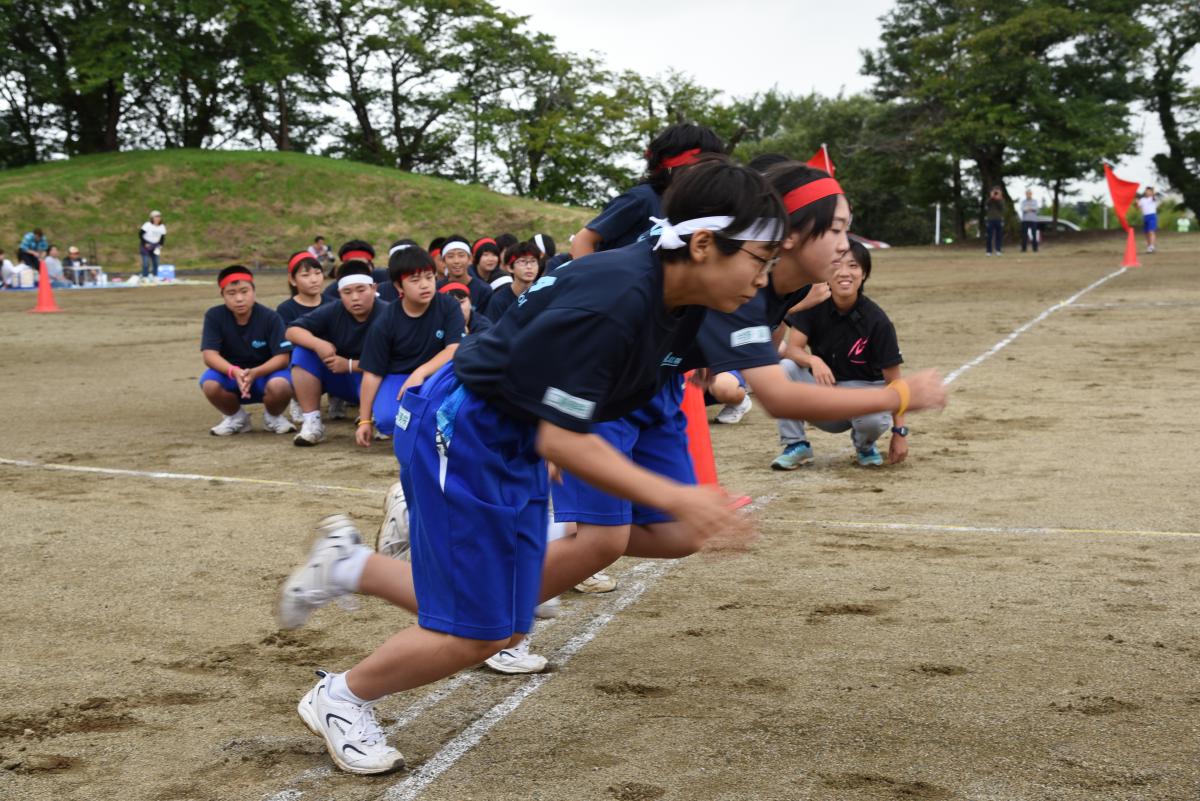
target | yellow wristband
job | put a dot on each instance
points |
(901, 387)
(367, 422)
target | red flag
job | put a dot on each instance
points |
(1123, 194)
(821, 161)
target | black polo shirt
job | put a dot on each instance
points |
(332, 323)
(246, 345)
(626, 217)
(291, 311)
(583, 345)
(857, 345)
(741, 339)
(399, 344)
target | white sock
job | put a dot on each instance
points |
(313, 416)
(556, 531)
(340, 691)
(348, 572)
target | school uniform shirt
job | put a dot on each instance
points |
(479, 323)
(481, 293)
(248, 345)
(500, 302)
(627, 217)
(857, 345)
(582, 346)
(741, 339)
(496, 273)
(332, 323)
(291, 311)
(399, 344)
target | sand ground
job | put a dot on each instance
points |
(1012, 614)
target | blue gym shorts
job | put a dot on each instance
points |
(256, 389)
(339, 385)
(477, 501)
(1150, 223)
(386, 403)
(709, 400)
(654, 438)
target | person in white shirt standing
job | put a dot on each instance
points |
(1029, 221)
(153, 235)
(1148, 205)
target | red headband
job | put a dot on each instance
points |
(452, 286)
(435, 252)
(681, 160)
(297, 259)
(229, 279)
(481, 242)
(357, 255)
(801, 196)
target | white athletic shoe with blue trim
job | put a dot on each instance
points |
(354, 738)
(517, 660)
(392, 540)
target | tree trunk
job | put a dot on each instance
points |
(1173, 165)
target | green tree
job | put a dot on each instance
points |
(1175, 27)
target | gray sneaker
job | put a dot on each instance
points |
(793, 456)
(311, 586)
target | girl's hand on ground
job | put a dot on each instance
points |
(926, 390)
(897, 449)
(821, 372)
(708, 510)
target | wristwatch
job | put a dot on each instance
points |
(900, 431)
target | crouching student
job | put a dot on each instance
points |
(328, 344)
(246, 355)
(853, 345)
(306, 278)
(408, 343)
(586, 346)
(525, 262)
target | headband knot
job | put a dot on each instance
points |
(671, 234)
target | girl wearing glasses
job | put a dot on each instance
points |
(525, 264)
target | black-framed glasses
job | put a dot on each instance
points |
(766, 264)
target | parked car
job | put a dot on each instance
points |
(869, 244)
(1045, 224)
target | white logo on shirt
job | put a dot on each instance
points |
(750, 336)
(569, 404)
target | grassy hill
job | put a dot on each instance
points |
(256, 208)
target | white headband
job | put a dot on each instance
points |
(671, 236)
(456, 245)
(354, 278)
(397, 249)
(537, 240)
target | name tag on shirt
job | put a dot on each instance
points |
(750, 336)
(569, 404)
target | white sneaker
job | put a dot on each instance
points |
(392, 539)
(277, 423)
(337, 408)
(311, 433)
(311, 585)
(549, 608)
(601, 582)
(295, 412)
(353, 736)
(517, 660)
(734, 414)
(232, 424)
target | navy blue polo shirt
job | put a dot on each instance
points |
(626, 217)
(246, 345)
(332, 323)
(479, 322)
(399, 344)
(480, 292)
(857, 345)
(501, 300)
(290, 310)
(741, 340)
(584, 345)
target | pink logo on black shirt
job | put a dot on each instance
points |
(857, 349)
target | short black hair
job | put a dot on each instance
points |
(764, 161)
(812, 219)
(457, 294)
(355, 267)
(716, 187)
(455, 238)
(307, 260)
(356, 244)
(234, 268)
(528, 248)
(318, 239)
(546, 245)
(862, 255)
(484, 245)
(436, 243)
(672, 141)
(506, 240)
(408, 260)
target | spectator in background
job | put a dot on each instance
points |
(1148, 205)
(54, 269)
(1029, 215)
(323, 254)
(10, 274)
(33, 248)
(995, 220)
(153, 235)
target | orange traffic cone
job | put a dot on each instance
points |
(45, 300)
(699, 440)
(1131, 259)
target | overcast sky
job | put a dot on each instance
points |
(749, 46)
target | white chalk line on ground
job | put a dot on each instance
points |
(116, 471)
(965, 529)
(1008, 340)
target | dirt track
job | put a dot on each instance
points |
(841, 659)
